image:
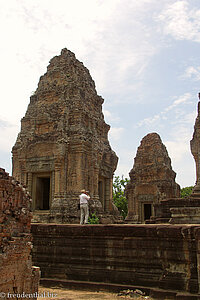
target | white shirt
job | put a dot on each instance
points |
(84, 198)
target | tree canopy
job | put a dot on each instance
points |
(186, 191)
(118, 195)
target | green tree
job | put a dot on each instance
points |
(118, 195)
(186, 191)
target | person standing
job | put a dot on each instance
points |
(84, 198)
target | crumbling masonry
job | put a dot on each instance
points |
(17, 274)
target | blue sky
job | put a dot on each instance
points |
(142, 54)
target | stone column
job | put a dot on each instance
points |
(30, 182)
(80, 179)
(57, 202)
(96, 180)
(57, 178)
(23, 172)
(15, 164)
(107, 194)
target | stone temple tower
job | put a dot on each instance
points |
(151, 179)
(63, 144)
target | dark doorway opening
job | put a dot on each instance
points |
(147, 211)
(42, 193)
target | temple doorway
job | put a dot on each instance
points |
(42, 191)
(147, 211)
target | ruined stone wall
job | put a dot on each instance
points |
(16, 272)
(63, 144)
(151, 179)
(156, 256)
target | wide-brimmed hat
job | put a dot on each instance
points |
(83, 191)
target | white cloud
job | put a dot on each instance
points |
(106, 35)
(177, 149)
(182, 133)
(110, 117)
(123, 169)
(184, 99)
(7, 137)
(150, 121)
(189, 118)
(181, 22)
(115, 39)
(118, 52)
(192, 72)
(175, 123)
(115, 133)
(126, 161)
(182, 161)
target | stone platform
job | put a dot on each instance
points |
(157, 257)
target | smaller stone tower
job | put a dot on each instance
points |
(151, 179)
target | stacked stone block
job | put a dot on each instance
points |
(159, 257)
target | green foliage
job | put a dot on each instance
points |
(118, 195)
(186, 191)
(93, 219)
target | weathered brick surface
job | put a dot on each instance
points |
(151, 179)
(16, 272)
(158, 256)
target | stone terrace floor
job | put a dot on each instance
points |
(59, 293)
